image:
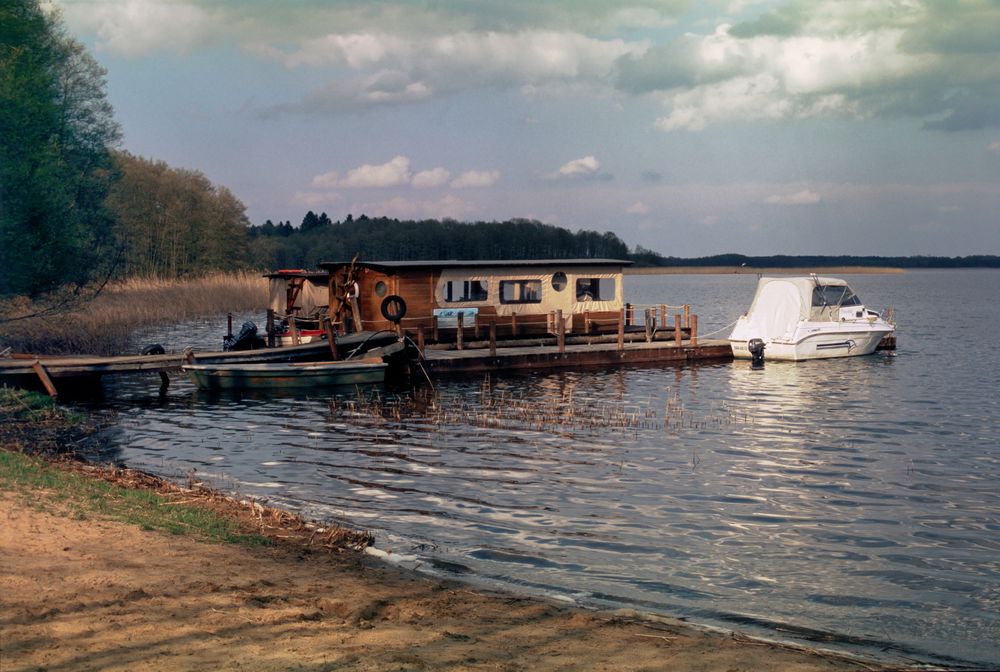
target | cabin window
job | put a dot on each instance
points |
(461, 291)
(520, 291)
(595, 289)
(559, 281)
(834, 295)
(381, 288)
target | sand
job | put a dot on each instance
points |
(102, 595)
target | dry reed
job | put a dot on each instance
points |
(562, 414)
(104, 325)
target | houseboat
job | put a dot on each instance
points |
(520, 298)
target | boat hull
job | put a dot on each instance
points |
(285, 376)
(819, 343)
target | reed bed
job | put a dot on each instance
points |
(565, 414)
(105, 324)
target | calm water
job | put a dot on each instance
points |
(852, 502)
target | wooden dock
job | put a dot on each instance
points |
(576, 355)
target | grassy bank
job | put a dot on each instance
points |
(104, 325)
(36, 467)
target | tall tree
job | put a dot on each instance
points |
(56, 127)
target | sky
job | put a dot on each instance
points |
(689, 128)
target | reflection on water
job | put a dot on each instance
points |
(847, 501)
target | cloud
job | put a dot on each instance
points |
(475, 178)
(312, 199)
(578, 168)
(994, 147)
(427, 179)
(391, 174)
(849, 59)
(135, 28)
(637, 208)
(804, 197)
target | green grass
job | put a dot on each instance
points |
(47, 487)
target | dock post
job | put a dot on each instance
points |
(586, 321)
(694, 331)
(475, 325)
(43, 376)
(678, 334)
(513, 324)
(649, 325)
(629, 314)
(493, 338)
(459, 331)
(434, 329)
(270, 327)
(420, 339)
(663, 316)
(331, 337)
(687, 316)
(295, 330)
(621, 330)
(560, 332)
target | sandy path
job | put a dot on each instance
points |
(98, 595)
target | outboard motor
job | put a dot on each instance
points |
(247, 339)
(756, 348)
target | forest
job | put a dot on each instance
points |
(76, 209)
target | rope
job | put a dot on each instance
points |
(713, 333)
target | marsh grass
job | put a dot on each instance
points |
(105, 324)
(565, 414)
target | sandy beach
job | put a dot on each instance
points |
(83, 593)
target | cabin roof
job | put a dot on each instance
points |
(478, 263)
(313, 276)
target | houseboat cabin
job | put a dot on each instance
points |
(301, 295)
(521, 297)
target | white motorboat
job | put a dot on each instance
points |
(808, 317)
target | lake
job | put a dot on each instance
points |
(850, 504)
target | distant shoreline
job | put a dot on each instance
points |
(746, 270)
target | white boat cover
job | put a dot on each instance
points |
(781, 303)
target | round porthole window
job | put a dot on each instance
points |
(559, 281)
(381, 288)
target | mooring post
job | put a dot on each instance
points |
(694, 331)
(678, 334)
(475, 326)
(560, 332)
(459, 330)
(331, 337)
(292, 328)
(270, 327)
(663, 315)
(649, 325)
(629, 314)
(687, 316)
(586, 321)
(493, 338)
(420, 339)
(434, 329)
(621, 330)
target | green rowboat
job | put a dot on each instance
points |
(285, 375)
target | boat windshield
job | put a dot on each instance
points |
(834, 295)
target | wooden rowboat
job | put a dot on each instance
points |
(286, 375)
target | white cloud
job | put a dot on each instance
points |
(994, 146)
(133, 28)
(475, 178)
(804, 197)
(578, 168)
(329, 180)
(391, 174)
(638, 208)
(435, 177)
